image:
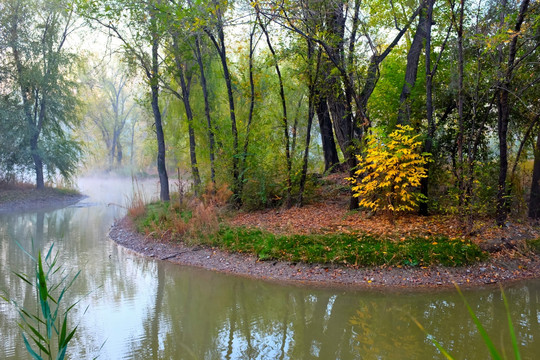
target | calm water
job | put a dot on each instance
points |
(144, 309)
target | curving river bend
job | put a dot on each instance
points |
(139, 308)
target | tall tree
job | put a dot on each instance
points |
(184, 75)
(139, 27)
(534, 201)
(216, 32)
(284, 119)
(503, 107)
(110, 109)
(36, 66)
(413, 57)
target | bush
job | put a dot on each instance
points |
(390, 173)
(186, 219)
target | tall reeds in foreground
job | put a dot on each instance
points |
(45, 331)
(495, 354)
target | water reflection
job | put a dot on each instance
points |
(145, 309)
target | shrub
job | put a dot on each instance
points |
(391, 171)
(184, 220)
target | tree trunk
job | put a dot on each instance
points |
(211, 141)
(412, 64)
(534, 201)
(119, 154)
(428, 143)
(219, 43)
(331, 159)
(38, 163)
(313, 76)
(132, 145)
(251, 111)
(185, 85)
(285, 121)
(112, 150)
(503, 120)
(161, 165)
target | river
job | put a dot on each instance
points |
(138, 308)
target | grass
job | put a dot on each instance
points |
(534, 245)
(199, 223)
(189, 220)
(353, 249)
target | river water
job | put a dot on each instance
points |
(137, 308)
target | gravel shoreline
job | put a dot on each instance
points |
(496, 270)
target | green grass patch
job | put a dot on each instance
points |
(534, 245)
(359, 249)
(159, 216)
(337, 248)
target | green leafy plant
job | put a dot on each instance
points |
(45, 333)
(495, 354)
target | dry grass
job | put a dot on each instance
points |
(16, 185)
(137, 201)
(187, 220)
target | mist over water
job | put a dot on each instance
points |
(140, 308)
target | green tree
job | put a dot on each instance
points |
(140, 27)
(38, 90)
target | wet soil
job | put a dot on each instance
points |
(508, 264)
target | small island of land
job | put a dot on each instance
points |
(324, 244)
(16, 197)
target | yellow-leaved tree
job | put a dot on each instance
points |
(389, 174)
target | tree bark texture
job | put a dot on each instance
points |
(211, 141)
(331, 159)
(534, 201)
(154, 87)
(185, 85)
(411, 69)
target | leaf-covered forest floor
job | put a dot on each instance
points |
(23, 197)
(329, 214)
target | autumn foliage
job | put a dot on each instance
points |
(389, 175)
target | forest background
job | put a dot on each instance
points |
(262, 96)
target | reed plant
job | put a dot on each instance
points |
(495, 354)
(45, 331)
(188, 218)
(137, 201)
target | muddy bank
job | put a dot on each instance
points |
(30, 199)
(497, 269)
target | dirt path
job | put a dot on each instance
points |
(502, 268)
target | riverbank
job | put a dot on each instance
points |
(504, 266)
(24, 197)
